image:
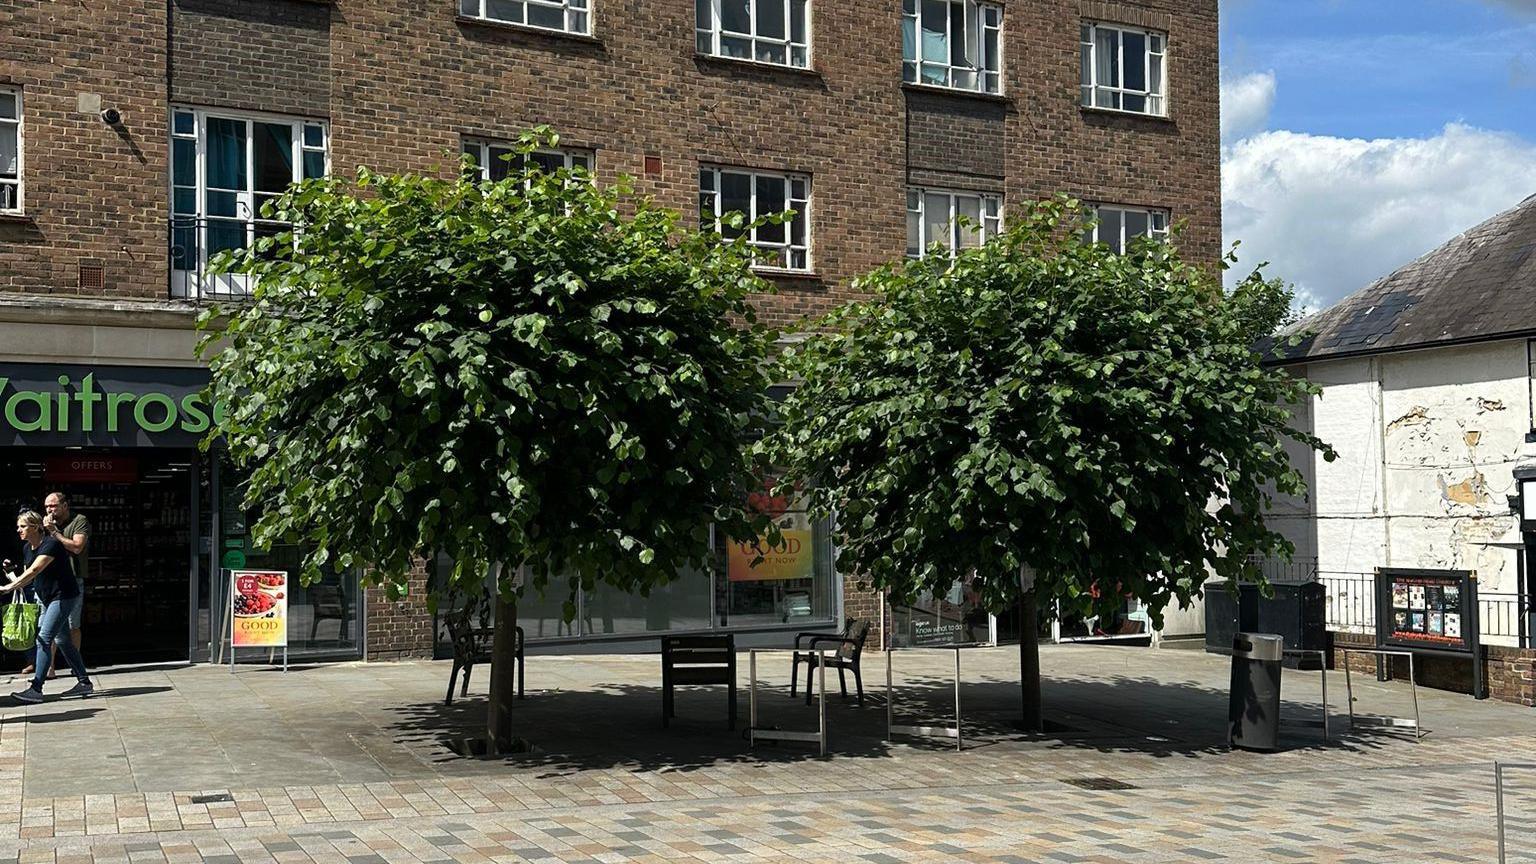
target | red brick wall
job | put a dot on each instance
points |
(400, 629)
(1510, 672)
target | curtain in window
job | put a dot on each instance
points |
(935, 31)
(226, 154)
(8, 150)
(1107, 62)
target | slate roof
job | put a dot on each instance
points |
(1478, 287)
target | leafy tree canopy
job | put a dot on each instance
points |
(537, 370)
(1043, 402)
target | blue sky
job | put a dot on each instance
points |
(1359, 134)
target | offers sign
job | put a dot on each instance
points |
(259, 601)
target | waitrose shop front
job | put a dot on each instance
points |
(122, 442)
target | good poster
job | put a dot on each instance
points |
(259, 601)
(791, 559)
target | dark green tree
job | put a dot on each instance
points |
(1065, 424)
(538, 371)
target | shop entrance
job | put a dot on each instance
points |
(142, 511)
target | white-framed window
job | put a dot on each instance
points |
(1124, 69)
(1117, 226)
(935, 216)
(224, 166)
(566, 16)
(781, 246)
(494, 160)
(765, 31)
(952, 43)
(10, 150)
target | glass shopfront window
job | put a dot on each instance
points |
(324, 619)
(951, 618)
(793, 582)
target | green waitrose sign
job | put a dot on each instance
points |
(59, 405)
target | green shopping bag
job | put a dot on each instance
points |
(20, 631)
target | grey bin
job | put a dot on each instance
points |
(1254, 710)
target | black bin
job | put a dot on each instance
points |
(1254, 711)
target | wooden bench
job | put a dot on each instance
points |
(697, 660)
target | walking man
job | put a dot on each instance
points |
(73, 531)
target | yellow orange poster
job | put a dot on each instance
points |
(791, 559)
(260, 604)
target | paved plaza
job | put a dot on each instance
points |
(353, 764)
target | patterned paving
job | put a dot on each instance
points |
(1002, 800)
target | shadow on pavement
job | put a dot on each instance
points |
(54, 716)
(619, 724)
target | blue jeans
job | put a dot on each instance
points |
(51, 626)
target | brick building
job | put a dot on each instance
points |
(139, 136)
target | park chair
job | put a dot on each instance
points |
(472, 645)
(697, 660)
(850, 647)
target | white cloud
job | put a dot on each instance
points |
(1334, 214)
(1245, 104)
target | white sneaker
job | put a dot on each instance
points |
(29, 695)
(81, 689)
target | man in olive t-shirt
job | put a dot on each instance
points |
(75, 536)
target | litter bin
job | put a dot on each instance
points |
(1254, 710)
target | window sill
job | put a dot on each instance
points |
(508, 26)
(743, 63)
(780, 273)
(998, 98)
(13, 218)
(1117, 112)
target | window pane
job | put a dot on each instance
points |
(959, 35)
(935, 44)
(1135, 48)
(1155, 82)
(908, 40)
(184, 201)
(224, 234)
(936, 219)
(970, 208)
(469, 7)
(798, 189)
(314, 136)
(8, 105)
(183, 123)
(770, 19)
(683, 604)
(707, 179)
(770, 200)
(578, 22)
(797, 20)
(184, 246)
(504, 10)
(548, 163)
(183, 160)
(224, 204)
(9, 161)
(1135, 223)
(1106, 54)
(1109, 228)
(703, 14)
(735, 16)
(314, 164)
(552, 17)
(226, 154)
(500, 163)
(735, 196)
(914, 233)
(769, 52)
(799, 57)
(1086, 70)
(273, 156)
(736, 46)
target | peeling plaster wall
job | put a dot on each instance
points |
(1426, 441)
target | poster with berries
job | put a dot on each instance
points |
(260, 601)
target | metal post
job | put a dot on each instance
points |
(1498, 796)
(821, 697)
(1349, 689)
(889, 709)
(1413, 688)
(751, 689)
(1323, 661)
(957, 699)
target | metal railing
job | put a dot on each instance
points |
(1350, 606)
(1527, 823)
(193, 240)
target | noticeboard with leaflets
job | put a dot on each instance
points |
(1433, 609)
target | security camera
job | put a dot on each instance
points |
(111, 116)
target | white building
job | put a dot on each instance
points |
(1426, 380)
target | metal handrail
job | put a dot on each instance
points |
(1323, 670)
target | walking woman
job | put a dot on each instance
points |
(46, 560)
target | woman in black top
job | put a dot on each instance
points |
(47, 561)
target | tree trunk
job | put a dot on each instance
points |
(1029, 662)
(498, 730)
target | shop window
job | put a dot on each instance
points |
(952, 618)
(764, 31)
(795, 581)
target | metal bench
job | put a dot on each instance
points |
(474, 646)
